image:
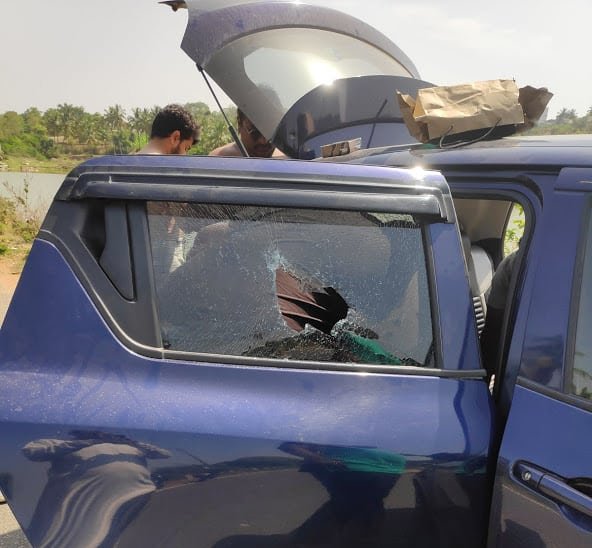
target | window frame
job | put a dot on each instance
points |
(424, 194)
(564, 394)
(584, 245)
(496, 187)
(230, 359)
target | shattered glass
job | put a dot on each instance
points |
(293, 284)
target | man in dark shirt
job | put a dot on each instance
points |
(496, 305)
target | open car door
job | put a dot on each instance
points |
(543, 486)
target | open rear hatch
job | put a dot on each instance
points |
(305, 75)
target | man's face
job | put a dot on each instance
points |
(183, 146)
(178, 145)
(256, 144)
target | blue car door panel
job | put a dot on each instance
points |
(543, 486)
(258, 361)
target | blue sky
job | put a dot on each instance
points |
(97, 53)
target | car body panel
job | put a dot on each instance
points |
(542, 431)
(219, 415)
(546, 426)
(520, 152)
(180, 449)
(542, 494)
(199, 431)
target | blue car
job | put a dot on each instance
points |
(240, 352)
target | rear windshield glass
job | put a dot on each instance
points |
(271, 70)
(295, 284)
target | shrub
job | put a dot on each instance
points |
(19, 222)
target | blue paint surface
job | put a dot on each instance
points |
(189, 427)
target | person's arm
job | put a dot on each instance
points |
(496, 305)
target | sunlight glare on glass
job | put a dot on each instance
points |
(322, 72)
(418, 173)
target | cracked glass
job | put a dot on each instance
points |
(292, 284)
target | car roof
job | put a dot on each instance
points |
(536, 150)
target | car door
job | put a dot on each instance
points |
(543, 487)
(235, 352)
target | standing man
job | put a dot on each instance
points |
(174, 131)
(256, 145)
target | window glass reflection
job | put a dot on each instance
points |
(582, 369)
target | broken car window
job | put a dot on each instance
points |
(295, 284)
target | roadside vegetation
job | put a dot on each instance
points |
(566, 122)
(19, 223)
(56, 140)
(515, 230)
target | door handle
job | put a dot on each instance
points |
(553, 487)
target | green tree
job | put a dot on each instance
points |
(67, 117)
(33, 120)
(11, 125)
(51, 120)
(100, 131)
(514, 230)
(79, 127)
(567, 121)
(198, 110)
(140, 123)
(116, 121)
(115, 118)
(122, 142)
(566, 116)
(214, 133)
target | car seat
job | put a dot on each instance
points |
(480, 270)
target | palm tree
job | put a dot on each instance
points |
(66, 116)
(116, 121)
(80, 128)
(140, 122)
(115, 118)
(51, 121)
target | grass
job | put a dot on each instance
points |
(58, 165)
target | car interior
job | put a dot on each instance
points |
(490, 230)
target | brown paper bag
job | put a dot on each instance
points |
(450, 110)
(407, 106)
(534, 101)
